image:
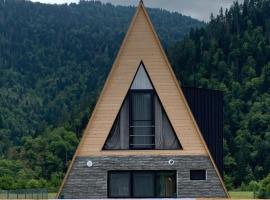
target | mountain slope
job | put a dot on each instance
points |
(232, 53)
(53, 62)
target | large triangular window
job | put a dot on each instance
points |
(142, 123)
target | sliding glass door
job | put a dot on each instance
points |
(166, 184)
(119, 184)
(142, 184)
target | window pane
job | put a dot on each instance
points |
(143, 184)
(119, 184)
(166, 184)
(142, 135)
(142, 141)
(141, 127)
(197, 175)
(141, 106)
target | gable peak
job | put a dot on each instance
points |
(141, 80)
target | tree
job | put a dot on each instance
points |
(232, 54)
(54, 60)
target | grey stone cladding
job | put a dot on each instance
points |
(91, 182)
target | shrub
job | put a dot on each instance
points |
(264, 191)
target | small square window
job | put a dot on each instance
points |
(197, 175)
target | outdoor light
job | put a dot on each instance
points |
(171, 162)
(89, 163)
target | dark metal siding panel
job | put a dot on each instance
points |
(207, 108)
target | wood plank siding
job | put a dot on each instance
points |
(141, 45)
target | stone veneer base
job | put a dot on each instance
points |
(91, 182)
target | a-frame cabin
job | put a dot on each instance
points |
(142, 140)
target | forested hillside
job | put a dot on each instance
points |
(53, 62)
(55, 58)
(232, 53)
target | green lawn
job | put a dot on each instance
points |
(233, 194)
(3, 196)
(52, 195)
(241, 194)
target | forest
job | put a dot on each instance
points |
(232, 54)
(54, 60)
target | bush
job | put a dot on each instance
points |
(228, 182)
(254, 186)
(56, 181)
(6, 182)
(244, 187)
(264, 191)
(33, 183)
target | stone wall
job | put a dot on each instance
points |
(85, 182)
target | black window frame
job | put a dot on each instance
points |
(154, 95)
(131, 175)
(131, 144)
(198, 170)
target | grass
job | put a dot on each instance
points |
(233, 194)
(241, 194)
(52, 195)
(4, 196)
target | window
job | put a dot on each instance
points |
(142, 184)
(197, 175)
(119, 184)
(142, 122)
(166, 184)
(142, 132)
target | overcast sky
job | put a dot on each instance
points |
(199, 9)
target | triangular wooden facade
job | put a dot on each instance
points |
(141, 44)
(142, 81)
